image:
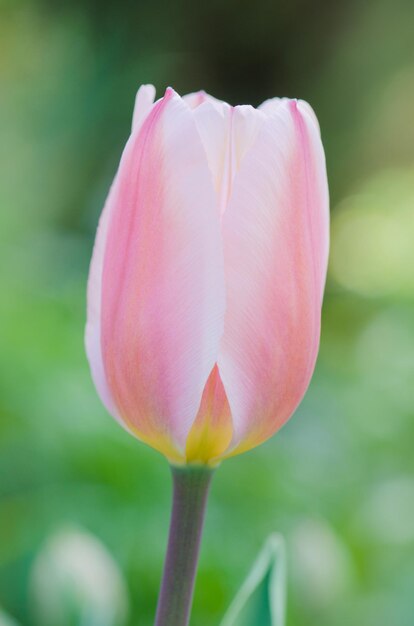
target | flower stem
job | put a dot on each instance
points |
(190, 490)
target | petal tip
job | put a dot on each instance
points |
(170, 93)
(293, 105)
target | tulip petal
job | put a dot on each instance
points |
(143, 103)
(93, 324)
(271, 105)
(211, 432)
(227, 134)
(212, 119)
(163, 279)
(193, 100)
(275, 232)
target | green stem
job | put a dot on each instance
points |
(190, 490)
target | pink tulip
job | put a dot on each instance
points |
(207, 276)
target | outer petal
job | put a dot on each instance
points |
(275, 233)
(93, 324)
(271, 106)
(163, 279)
(143, 103)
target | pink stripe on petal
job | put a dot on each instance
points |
(275, 232)
(307, 127)
(307, 113)
(163, 279)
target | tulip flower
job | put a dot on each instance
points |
(207, 276)
(208, 271)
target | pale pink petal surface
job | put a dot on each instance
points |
(143, 103)
(163, 278)
(271, 105)
(227, 133)
(275, 231)
(94, 298)
(195, 99)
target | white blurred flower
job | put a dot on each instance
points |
(75, 580)
(321, 564)
(388, 513)
(6, 620)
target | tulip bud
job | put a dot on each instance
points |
(75, 580)
(207, 276)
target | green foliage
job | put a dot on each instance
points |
(261, 599)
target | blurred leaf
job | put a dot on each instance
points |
(262, 597)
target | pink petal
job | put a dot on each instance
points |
(143, 104)
(227, 134)
(163, 278)
(93, 324)
(271, 106)
(212, 119)
(193, 100)
(275, 232)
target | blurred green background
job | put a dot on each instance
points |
(338, 480)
